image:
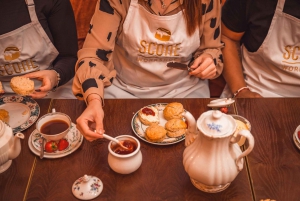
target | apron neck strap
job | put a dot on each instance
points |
(31, 10)
(280, 5)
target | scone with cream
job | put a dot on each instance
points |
(175, 127)
(22, 85)
(148, 115)
(155, 133)
(173, 110)
(4, 115)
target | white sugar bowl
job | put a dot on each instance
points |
(121, 161)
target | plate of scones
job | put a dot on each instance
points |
(160, 123)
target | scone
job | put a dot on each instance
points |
(155, 133)
(173, 110)
(22, 85)
(148, 115)
(241, 126)
(4, 115)
(175, 127)
(1, 88)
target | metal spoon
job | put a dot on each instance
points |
(115, 140)
(42, 148)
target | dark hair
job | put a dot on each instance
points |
(192, 11)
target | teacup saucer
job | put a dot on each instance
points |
(222, 102)
(74, 138)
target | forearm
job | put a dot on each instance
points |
(65, 66)
(232, 71)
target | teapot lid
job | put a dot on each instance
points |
(87, 187)
(215, 123)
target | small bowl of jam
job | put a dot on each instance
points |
(125, 161)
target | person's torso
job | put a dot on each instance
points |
(274, 69)
(25, 49)
(147, 43)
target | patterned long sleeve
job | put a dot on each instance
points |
(210, 34)
(94, 68)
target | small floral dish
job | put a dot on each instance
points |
(87, 187)
(74, 138)
(139, 128)
(222, 102)
(23, 111)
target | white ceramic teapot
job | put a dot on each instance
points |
(10, 146)
(212, 158)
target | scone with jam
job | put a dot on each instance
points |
(148, 115)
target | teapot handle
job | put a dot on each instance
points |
(250, 139)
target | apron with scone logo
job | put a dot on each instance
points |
(274, 69)
(141, 54)
(25, 50)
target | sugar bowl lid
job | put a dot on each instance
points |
(215, 123)
(87, 187)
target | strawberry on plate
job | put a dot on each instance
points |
(50, 146)
(224, 110)
(62, 144)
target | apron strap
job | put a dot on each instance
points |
(280, 5)
(31, 9)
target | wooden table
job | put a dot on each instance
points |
(274, 163)
(161, 175)
(15, 181)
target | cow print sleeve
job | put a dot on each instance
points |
(210, 32)
(94, 68)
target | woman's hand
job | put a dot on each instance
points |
(204, 67)
(91, 120)
(48, 79)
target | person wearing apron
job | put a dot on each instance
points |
(27, 49)
(129, 44)
(273, 68)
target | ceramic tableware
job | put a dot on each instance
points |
(87, 187)
(212, 158)
(124, 161)
(10, 146)
(54, 126)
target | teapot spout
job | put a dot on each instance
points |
(192, 131)
(15, 148)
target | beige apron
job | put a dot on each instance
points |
(24, 50)
(274, 69)
(148, 42)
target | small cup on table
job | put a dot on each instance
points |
(54, 126)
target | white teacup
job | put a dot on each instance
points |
(54, 126)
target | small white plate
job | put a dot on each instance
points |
(23, 111)
(222, 102)
(139, 128)
(74, 138)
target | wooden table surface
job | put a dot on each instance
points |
(16, 179)
(274, 163)
(270, 166)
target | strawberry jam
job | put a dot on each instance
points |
(148, 111)
(126, 143)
